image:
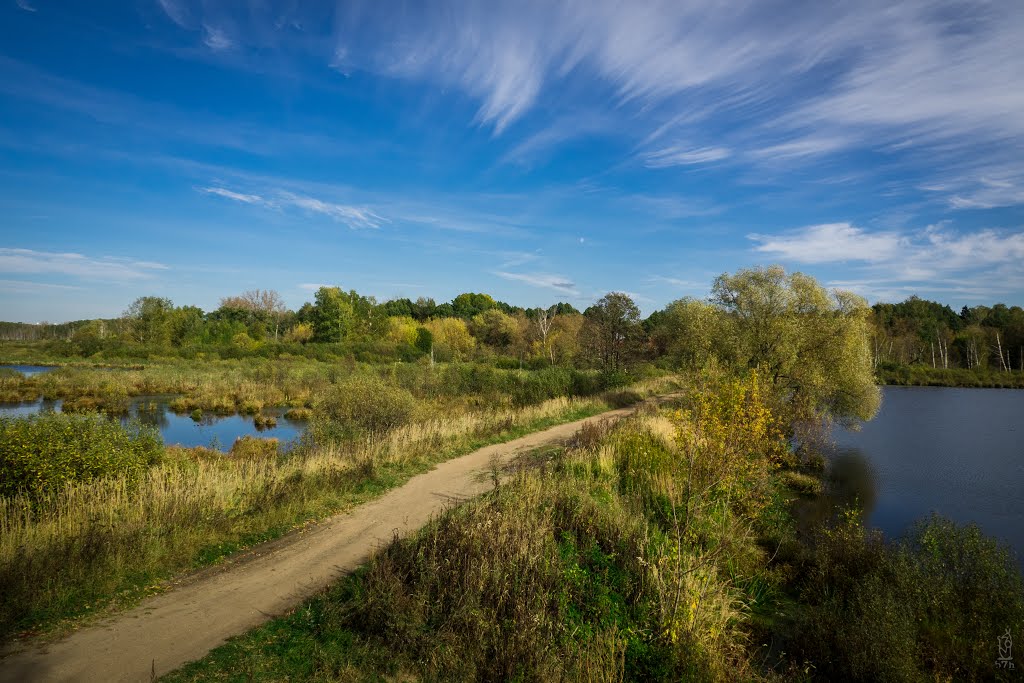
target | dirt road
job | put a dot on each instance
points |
(183, 624)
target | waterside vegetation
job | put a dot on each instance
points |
(72, 549)
(658, 549)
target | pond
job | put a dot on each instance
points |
(216, 431)
(957, 452)
(29, 370)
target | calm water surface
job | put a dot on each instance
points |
(29, 370)
(958, 452)
(216, 431)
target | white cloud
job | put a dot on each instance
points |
(23, 4)
(986, 192)
(678, 155)
(811, 145)
(237, 196)
(75, 265)
(893, 265)
(547, 281)
(945, 250)
(352, 216)
(829, 243)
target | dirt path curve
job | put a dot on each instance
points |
(168, 630)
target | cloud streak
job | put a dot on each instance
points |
(28, 261)
(678, 155)
(352, 216)
(543, 280)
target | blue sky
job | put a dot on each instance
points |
(537, 151)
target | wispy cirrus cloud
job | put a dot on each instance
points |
(24, 4)
(352, 216)
(237, 196)
(216, 38)
(681, 155)
(558, 283)
(30, 287)
(771, 82)
(175, 11)
(29, 261)
(679, 283)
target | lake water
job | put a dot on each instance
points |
(958, 452)
(217, 431)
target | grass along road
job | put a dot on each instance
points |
(202, 611)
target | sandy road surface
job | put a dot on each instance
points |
(168, 630)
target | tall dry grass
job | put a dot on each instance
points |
(68, 550)
(575, 571)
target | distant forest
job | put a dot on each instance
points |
(915, 332)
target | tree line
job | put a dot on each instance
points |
(610, 334)
(812, 342)
(922, 332)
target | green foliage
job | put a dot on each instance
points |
(333, 315)
(424, 340)
(918, 332)
(149, 320)
(925, 376)
(360, 405)
(612, 331)
(812, 343)
(495, 328)
(689, 332)
(41, 453)
(929, 608)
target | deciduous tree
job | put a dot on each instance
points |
(611, 331)
(813, 343)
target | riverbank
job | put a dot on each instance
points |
(924, 376)
(661, 549)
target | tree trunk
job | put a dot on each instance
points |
(999, 348)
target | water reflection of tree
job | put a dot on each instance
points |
(152, 413)
(850, 483)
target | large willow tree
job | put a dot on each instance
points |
(811, 342)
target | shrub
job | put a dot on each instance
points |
(928, 608)
(358, 406)
(253, 448)
(804, 484)
(40, 453)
